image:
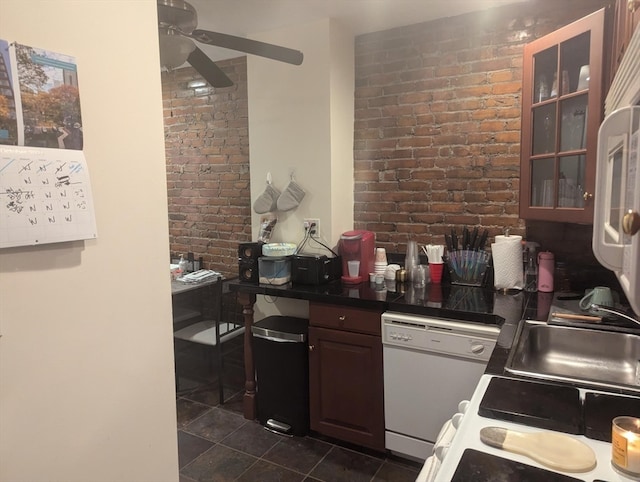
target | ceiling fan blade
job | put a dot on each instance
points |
(208, 69)
(255, 47)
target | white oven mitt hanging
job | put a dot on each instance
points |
(291, 196)
(268, 200)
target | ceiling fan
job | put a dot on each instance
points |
(177, 22)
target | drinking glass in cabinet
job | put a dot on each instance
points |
(566, 84)
(573, 124)
(574, 55)
(545, 66)
(542, 188)
(571, 181)
(583, 79)
(554, 86)
(542, 90)
(544, 129)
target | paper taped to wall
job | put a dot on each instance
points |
(45, 196)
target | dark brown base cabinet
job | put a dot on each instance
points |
(345, 374)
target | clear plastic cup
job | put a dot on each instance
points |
(419, 276)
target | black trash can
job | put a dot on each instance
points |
(282, 371)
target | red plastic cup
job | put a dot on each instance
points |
(435, 270)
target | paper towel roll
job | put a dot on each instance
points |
(507, 262)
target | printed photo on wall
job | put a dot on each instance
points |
(46, 101)
(8, 119)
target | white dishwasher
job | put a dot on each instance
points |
(430, 365)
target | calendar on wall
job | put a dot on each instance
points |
(45, 192)
(45, 197)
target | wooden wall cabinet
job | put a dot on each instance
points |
(345, 374)
(562, 105)
(626, 18)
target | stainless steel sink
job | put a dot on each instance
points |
(595, 358)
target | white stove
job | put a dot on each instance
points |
(448, 450)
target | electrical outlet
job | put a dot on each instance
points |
(314, 225)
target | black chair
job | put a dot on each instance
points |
(218, 323)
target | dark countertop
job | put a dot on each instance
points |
(456, 302)
(465, 303)
(444, 301)
(448, 301)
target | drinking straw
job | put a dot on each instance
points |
(434, 252)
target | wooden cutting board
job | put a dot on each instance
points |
(554, 450)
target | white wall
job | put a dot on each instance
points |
(295, 126)
(342, 105)
(86, 353)
(301, 121)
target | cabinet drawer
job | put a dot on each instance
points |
(345, 318)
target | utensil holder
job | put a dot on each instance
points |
(467, 267)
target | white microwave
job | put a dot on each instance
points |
(616, 222)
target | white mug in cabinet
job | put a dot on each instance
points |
(583, 79)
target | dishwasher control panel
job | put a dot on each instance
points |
(449, 337)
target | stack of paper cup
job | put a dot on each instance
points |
(380, 263)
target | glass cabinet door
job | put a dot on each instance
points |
(561, 112)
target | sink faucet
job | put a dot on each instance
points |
(606, 309)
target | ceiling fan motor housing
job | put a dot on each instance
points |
(178, 15)
(174, 48)
(177, 22)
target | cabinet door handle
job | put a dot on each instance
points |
(311, 347)
(342, 317)
(587, 195)
(631, 222)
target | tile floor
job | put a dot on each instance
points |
(216, 443)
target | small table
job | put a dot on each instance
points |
(197, 315)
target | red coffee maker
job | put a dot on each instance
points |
(357, 249)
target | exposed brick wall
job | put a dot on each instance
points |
(437, 128)
(207, 152)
